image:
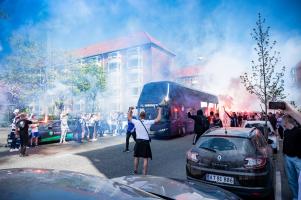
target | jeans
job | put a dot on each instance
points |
(24, 142)
(292, 169)
(128, 135)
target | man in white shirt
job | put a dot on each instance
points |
(142, 147)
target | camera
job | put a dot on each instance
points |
(277, 105)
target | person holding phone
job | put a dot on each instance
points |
(292, 147)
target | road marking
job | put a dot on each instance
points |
(278, 193)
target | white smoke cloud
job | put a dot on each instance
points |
(220, 36)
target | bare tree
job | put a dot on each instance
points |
(264, 81)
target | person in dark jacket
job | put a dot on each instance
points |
(22, 130)
(292, 148)
(201, 124)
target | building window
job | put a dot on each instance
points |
(113, 67)
(133, 77)
(133, 58)
(114, 55)
(133, 62)
(135, 91)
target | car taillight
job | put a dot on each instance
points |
(192, 156)
(255, 163)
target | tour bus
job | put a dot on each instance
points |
(180, 100)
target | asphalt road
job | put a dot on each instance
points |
(168, 158)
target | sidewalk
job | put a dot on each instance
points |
(59, 156)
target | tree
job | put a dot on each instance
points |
(264, 82)
(25, 67)
(89, 79)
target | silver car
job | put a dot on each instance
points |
(272, 134)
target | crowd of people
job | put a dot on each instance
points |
(87, 126)
(237, 119)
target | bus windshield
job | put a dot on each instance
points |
(151, 113)
(153, 93)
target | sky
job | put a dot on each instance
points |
(217, 30)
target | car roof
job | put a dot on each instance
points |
(257, 122)
(68, 185)
(231, 132)
(173, 188)
(261, 122)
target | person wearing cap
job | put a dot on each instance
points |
(292, 147)
(142, 147)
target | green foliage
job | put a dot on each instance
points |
(25, 68)
(88, 79)
(264, 81)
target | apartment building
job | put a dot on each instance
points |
(190, 76)
(129, 62)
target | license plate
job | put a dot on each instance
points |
(9, 140)
(220, 179)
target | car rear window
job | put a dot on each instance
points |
(242, 145)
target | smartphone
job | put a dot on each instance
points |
(277, 105)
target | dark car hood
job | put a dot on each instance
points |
(176, 189)
(37, 184)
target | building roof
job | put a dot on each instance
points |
(188, 71)
(136, 39)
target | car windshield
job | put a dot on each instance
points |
(242, 145)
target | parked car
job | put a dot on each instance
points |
(272, 135)
(168, 188)
(237, 159)
(36, 184)
(51, 131)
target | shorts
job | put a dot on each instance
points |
(142, 149)
(34, 134)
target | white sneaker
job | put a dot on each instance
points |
(12, 150)
(94, 139)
